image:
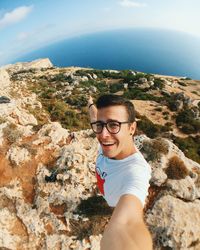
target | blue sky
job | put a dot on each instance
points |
(26, 25)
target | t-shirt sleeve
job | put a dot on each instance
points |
(136, 182)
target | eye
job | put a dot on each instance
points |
(113, 125)
(99, 125)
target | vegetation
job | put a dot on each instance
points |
(139, 94)
(187, 122)
(30, 147)
(2, 120)
(150, 129)
(41, 116)
(116, 87)
(96, 209)
(12, 133)
(190, 146)
(197, 181)
(158, 83)
(61, 110)
(155, 148)
(182, 84)
(69, 118)
(176, 169)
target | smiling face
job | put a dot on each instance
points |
(120, 145)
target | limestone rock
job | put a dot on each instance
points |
(54, 133)
(8, 221)
(18, 155)
(37, 64)
(158, 177)
(173, 223)
(185, 188)
(4, 82)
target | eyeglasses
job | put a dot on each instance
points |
(113, 127)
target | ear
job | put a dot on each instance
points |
(133, 128)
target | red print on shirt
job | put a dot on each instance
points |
(100, 180)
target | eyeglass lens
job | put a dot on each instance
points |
(112, 127)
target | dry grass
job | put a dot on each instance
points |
(155, 149)
(30, 147)
(176, 169)
(96, 209)
(83, 229)
(197, 181)
(11, 133)
(2, 120)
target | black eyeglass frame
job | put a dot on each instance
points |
(104, 124)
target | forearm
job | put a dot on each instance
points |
(125, 237)
(92, 110)
(118, 239)
(93, 113)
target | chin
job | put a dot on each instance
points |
(109, 155)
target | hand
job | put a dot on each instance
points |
(90, 100)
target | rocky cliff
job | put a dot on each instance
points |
(48, 194)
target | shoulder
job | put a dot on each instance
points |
(136, 182)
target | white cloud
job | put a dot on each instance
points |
(130, 3)
(15, 15)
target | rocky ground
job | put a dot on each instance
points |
(48, 194)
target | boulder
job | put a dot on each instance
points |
(21, 66)
(18, 155)
(4, 82)
(173, 223)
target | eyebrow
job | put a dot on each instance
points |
(109, 120)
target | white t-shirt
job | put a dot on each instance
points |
(115, 178)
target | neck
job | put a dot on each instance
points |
(132, 151)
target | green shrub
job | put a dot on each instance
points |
(77, 100)
(190, 146)
(186, 121)
(182, 84)
(158, 83)
(102, 87)
(116, 87)
(176, 169)
(150, 129)
(138, 94)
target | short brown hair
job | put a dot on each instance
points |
(115, 100)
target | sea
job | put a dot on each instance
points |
(153, 51)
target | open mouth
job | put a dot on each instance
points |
(107, 144)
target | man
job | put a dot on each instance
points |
(122, 173)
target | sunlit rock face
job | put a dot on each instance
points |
(4, 82)
(37, 64)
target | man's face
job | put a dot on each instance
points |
(120, 145)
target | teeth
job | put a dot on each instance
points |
(107, 143)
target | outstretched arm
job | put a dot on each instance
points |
(126, 230)
(92, 110)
